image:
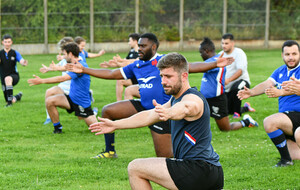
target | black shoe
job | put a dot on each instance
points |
(284, 163)
(8, 105)
(19, 96)
(57, 131)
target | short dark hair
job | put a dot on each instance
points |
(175, 60)
(72, 47)
(134, 36)
(290, 43)
(151, 37)
(207, 44)
(228, 36)
(79, 39)
(6, 36)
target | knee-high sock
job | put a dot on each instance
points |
(9, 92)
(279, 140)
(109, 142)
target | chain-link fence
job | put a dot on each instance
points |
(44, 21)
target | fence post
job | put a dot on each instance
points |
(224, 16)
(137, 16)
(92, 25)
(46, 49)
(181, 15)
(267, 25)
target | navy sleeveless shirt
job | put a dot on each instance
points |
(192, 139)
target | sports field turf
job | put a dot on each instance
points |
(34, 158)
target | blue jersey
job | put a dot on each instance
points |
(80, 87)
(191, 140)
(286, 103)
(213, 81)
(83, 54)
(148, 77)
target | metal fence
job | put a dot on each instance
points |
(43, 21)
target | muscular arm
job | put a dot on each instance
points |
(257, 90)
(197, 67)
(103, 73)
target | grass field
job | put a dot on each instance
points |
(33, 158)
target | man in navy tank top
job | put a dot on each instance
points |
(195, 164)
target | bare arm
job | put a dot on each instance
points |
(236, 75)
(99, 73)
(206, 66)
(190, 108)
(37, 80)
(92, 55)
(257, 90)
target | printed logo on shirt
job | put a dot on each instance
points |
(154, 62)
(146, 80)
(204, 79)
(280, 75)
(12, 58)
(189, 137)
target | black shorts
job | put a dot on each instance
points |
(195, 174)
(134, 80)
(15, 78)
(295, 118)
(79, 110)
(218, 106)
(160, 127)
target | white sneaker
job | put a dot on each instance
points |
(253, 123)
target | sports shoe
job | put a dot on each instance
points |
(250, 109)
(57, 131)
(48, 120)
(8, 105)
(95, 110)
(91, 94)
(236, 115)
(110, 154)
(284, 163)
(251, 121)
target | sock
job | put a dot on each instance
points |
(9, 91)
(48, 116)
(245, 122)
(109, 142)
(57, 126)
(279, 140)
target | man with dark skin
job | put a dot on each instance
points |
(213, 87)
(150, 86)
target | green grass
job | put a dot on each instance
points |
(33, 158)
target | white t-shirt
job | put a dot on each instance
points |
(240, 62)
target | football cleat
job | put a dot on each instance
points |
(109, 154)
(250, 109)
(251, 121)
(284, 163)
(236, 115)
(57, 131)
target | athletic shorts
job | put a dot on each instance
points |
(160, 127)
(134, 80)
(79, 110)
(218, 106)
(15, 78)
(195, 174)
(295, 118)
